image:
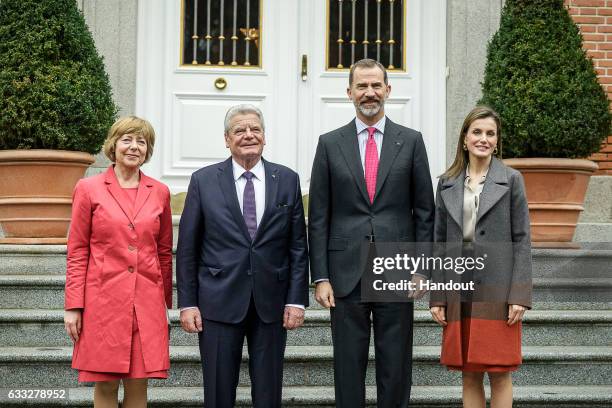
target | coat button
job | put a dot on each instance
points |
(132, 248)
(482, 232)
(130, 269)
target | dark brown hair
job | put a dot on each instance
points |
(367, 63)
(461, 156)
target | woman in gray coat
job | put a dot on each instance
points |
(481, 208)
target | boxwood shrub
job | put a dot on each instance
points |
(543, 85)
(54, 92)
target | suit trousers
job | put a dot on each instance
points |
(221, 353)
(351, 322)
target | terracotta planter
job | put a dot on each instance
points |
(36, 194)
(555, 193)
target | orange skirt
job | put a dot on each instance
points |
(474, 367)
(137, 366)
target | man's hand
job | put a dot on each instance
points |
(324, 294)
(439, 314)
(73, 323)
(191, 320)
(515, 314)
(293, 317)
(416, 281)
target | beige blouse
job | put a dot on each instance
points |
(471, 198)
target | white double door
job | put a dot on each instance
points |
(299, 101)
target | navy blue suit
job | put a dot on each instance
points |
(241, 285)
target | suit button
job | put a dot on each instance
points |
(130, 269)
(131, 226)
(482, 232)
(132, 248)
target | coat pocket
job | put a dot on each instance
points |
(211, 270)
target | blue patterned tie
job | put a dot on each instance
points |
(249, 210)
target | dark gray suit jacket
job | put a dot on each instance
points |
(340, 214)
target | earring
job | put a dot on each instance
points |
(464, 146)
(495, 151)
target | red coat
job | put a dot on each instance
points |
(120, 260)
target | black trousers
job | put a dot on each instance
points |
(351, 322)
(221, 353)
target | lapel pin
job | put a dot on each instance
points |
(398, 143)
(274, 176)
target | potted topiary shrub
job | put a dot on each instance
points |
(55, 108)
(554, 112)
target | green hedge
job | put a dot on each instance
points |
(543, 85)
(54, 93)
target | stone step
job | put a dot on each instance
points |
(47, 292)
(32, 259)
(45, 328)
(323, 397)
(312, 366)
(593, 231)
(592, 260)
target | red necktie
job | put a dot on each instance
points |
(371, 164)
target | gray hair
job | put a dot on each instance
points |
(242, 109)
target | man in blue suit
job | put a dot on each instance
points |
(242, 264)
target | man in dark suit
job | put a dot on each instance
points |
(242, 264)
(370, 182)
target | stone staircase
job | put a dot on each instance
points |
(567, 341)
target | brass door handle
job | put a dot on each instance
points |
(220, 83)
(304, 67)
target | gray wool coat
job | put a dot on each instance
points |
(502, 232)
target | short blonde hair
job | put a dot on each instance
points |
(129, 125)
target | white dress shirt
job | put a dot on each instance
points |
(259, 183)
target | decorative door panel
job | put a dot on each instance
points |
(359, 29)
(221, 32)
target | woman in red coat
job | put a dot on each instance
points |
(119, 271)
(481, 209)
